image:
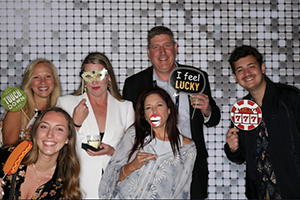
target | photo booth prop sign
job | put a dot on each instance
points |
(246, 115)
(187, 80)
(13, 99)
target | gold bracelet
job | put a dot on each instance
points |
(124, 172)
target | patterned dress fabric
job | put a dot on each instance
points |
(265, 172)
(50, 190)
(168, 177)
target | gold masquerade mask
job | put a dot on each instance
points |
(94, 76)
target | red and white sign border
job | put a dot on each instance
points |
(246, 121)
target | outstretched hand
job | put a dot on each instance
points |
(107, 150)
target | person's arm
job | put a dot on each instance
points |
(80, 113)
(215, 113)
(185, 140)
(11, 128)
(232, 147)
(183, 179)
(110, 178)
(139, 161)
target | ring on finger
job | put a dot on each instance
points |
(144, 159)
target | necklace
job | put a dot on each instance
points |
(47, 172)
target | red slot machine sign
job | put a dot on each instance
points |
(246, 115)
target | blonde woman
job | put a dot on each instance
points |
(42, 88)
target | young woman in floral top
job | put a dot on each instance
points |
(51, 168)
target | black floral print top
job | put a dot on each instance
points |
(50, 190)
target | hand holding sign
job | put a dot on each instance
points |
(246, 115)
(189, 81)
(14, 99)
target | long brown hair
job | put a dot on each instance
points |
(67, 161)
(100, 58)
(143, 128)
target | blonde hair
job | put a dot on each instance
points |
(67, 162)
(100, 58)
(26, 86)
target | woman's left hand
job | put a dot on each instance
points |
(28, 133)
(201, 101)
(107, 149)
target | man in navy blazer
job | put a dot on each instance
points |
(162, 50)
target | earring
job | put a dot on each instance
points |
(83, 87)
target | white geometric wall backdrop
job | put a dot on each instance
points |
(206, 32)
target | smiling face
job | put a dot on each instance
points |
(96, 88)
(162, 53)
(249, 74)
(42, 83)
(156, 111)
(52, 134)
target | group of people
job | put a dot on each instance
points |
(152, 147)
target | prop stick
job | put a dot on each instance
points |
(152, 138)
(82, 86)
(194, 109)
(25, 114)
(14, 160)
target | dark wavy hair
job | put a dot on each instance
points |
(244, 51)
(143, 128)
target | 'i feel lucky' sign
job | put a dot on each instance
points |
(187, 80)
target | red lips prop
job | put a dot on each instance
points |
(155, 120)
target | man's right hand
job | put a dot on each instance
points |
(232, 139)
